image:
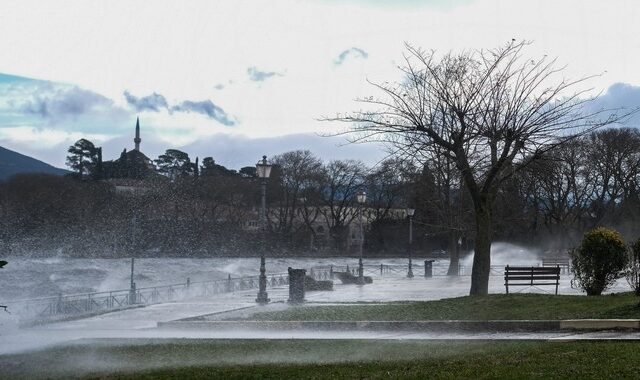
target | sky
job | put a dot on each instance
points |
(236, 79)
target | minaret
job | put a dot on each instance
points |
(137, 139)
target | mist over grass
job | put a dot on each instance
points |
(320, 359)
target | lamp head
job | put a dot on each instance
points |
(263, 168)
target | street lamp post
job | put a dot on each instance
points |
(410, 212)
(263, 170)
(361, 197)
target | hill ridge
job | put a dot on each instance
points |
(12, 163)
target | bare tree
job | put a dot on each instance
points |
(387, 188)
(443, 195)
(613, 161)
(299, 171)
(342, 180)
(560, 186)
(492, 112)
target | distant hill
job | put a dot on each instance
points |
(13, 163)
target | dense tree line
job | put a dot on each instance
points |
(205, 209)
(591, 181)
(185, 208)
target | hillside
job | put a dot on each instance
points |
(13, 163)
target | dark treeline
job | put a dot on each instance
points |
(587, 182)
(173, 206)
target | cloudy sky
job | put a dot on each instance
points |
(234, 79)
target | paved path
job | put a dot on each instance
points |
(141, 322)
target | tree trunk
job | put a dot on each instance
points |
(482, 250)
(454, 255)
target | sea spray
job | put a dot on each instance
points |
(503, 254)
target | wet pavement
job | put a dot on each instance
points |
(142, 322)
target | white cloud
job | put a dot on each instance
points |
(258, 75)
(153, 102)
(48, 145)
(353, 52)
(47, 137)
(184, 52)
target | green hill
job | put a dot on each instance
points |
(12, 163)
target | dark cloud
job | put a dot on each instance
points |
(260, 76)
(67, 102)
(620, 95)
(620, 98)
(153, 102)
(354, 52)
(234, 151)
(205, 107)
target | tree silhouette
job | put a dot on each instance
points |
(491, 112)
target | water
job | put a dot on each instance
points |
(503, 254)
(29, 278)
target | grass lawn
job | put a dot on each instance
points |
(491, 307)
(320, 359)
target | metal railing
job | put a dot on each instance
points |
(384, 270)
(82, 304)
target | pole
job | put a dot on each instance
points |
(131, 283)
(132, 288)
(360, 268)
(263, 208)
(134, 243)
(410, 272)
(263, 297)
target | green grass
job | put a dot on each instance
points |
(320, 359)
(491, 307)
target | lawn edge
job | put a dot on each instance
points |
(413, 326)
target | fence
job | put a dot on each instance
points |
(77, 305)
(384, 270)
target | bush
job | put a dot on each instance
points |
(599, 260)
(632, 273)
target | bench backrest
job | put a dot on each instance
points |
(530, 276)
(529, 273)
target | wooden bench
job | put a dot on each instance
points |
(531, 276)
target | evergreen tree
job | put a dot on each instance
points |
(174, 164)
(83, 157)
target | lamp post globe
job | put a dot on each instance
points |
(263, 170)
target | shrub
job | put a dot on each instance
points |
(599, 260)
(632, 273)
